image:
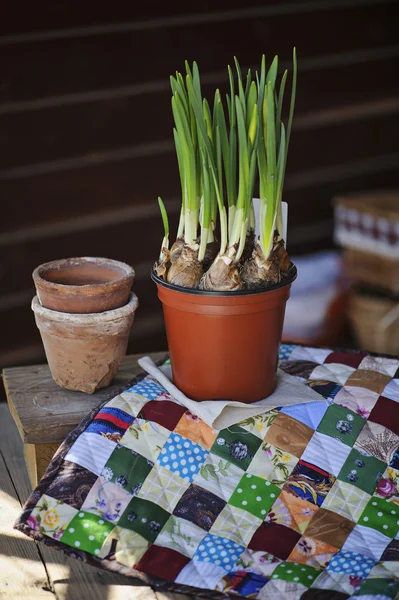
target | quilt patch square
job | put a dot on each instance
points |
(367, 541)
(340, 584)
(255, 495)
(236, 524)
(72, 484)
(291, 511)
(107, 500)
(330, 527)
(378, 441)
(259, 424)
(148, 388)
(351, 359)
(358, 400)
(369, 379)
(386, 366)
(236, 445)
(144, 517)
(51, 517)
(182, 456)
(130, 402)
(199, 506)
(126, 469)
(285, 351)
(362, 471)
(326, 452)
(193, 428)
(201, 575)
(87, 532)
(163, 412)
(334, 372)
(181, 535)
(256, 561)
(274, 539)
(312, 552)
(218, 476)
(317, 355)
(126, 546)
(146, 438)
(272, 463)
(379, 587)
(298, 368)
(342, 424)
(296, 572)
(386, 413)
(309, 413)
(163, 487)
(245, 584)
(162, 562)
(289, 434)
(111, 420)
(391, 390)
(388, 486)
(91, 451)
(309, 482)
(381, 515)
(351, 563)
(391, 552)
(346, 500)
(327, 389)
(220, 551)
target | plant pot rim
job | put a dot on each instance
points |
(85, 318)
(81, 260)
(210, 293)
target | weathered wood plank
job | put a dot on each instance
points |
(69, 578)
(37, 458)
(44, 412)
(136, 182)
(114, 59)
(59, 16)
(45, 132)
(22, 571)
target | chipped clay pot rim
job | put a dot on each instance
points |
(81, 260)
(85, 318)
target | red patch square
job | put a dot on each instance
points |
(162, 562)
(386, 413)
(351, 359)
(163, 412)
(275, 539)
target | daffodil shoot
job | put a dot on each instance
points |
(227, 153)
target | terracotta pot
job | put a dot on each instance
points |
(85, 351)
(224, 345)
(83, 285)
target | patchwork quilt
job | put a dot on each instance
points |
(300, 502)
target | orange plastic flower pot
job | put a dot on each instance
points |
(224, 346)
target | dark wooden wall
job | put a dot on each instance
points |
(85, 127)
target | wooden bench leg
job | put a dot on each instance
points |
(37, 457)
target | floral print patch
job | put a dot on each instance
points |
(51, 517)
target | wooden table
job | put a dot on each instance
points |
(30, 570)
(45, 413)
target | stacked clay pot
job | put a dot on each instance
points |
(84, 310)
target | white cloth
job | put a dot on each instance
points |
(224, 413)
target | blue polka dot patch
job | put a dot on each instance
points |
(219, 551)
(351, 563)
(182, 456)
(148, 389)
(286, 351)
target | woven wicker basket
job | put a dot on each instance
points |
(375, 322)
(372, 269)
